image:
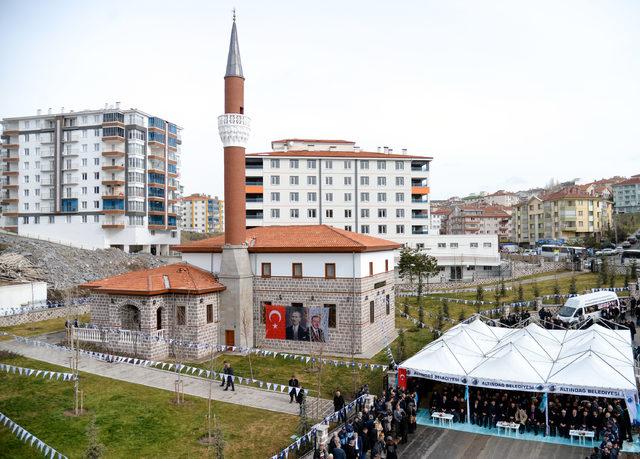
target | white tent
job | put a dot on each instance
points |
(593, 362)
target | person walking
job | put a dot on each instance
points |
(293, 383)
(224, 373)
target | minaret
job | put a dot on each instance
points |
(236, 308)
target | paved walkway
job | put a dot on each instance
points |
(161, 379)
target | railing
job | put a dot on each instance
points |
(95, 335)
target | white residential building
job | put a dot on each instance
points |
(94, 178)
(332, 182)
(200, 213)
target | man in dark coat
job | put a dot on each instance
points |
(293, 382)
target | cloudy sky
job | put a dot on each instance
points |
(503, 94)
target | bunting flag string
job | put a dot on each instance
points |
(27, 437)
(40, 305)
(306, 438)
(46, 374)
(223, 348)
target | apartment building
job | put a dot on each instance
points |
(569, 213)
(438, 219)
(626, 195)
(93, 178)
(479, 219)
(201, 213)
(502, 198)
(333, 182)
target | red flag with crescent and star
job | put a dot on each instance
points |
(402, 378)
(276, 322)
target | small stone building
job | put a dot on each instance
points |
(137, 313)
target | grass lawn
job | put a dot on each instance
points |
(38, 328)
(132, 420)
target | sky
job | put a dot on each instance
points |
(502, 94)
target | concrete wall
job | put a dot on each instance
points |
(44, 314)
(16, 295)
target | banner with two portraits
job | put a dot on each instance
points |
(297, 323)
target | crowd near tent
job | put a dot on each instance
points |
(593, 362)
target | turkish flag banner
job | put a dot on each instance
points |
(402, 378)
(276, 322)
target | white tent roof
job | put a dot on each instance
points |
(530, 358)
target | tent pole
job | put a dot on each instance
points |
(468, 404)
(546, 414)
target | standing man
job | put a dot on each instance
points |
(293, 382)
(225, 371)
(338, 404)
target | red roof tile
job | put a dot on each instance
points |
(349, 142)
(296, 238)
(573, 192)
(335, 154)
(633, 180)
(176, 278)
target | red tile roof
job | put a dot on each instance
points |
(295, 239)
(314, 141)
(335, 154)
(176, 278)
(572, 192)
(633, 180)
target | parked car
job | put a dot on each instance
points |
(626, 244)
(530, 253)
(605, 253)
(581, 307)
(618, 250)
(632, 240)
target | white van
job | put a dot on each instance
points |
(578, 308)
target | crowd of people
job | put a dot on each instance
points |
(375, 431)
(607, 418)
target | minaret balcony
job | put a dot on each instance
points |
(234, 129)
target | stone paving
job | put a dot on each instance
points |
(160, 379)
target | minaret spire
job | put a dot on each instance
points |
(234, 64)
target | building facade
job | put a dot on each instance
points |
(568, 214)
(201, 213)
(332, 182)
(626, 195)
(478, 219)
(94, 178)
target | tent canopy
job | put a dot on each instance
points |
(595, 361)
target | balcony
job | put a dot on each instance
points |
(10, 131)
(8, 157)
(254, 189)
(419, 190)
(48, 166)
(10, 172)
(8, 200)
(10, 211)
(113, 154)
(114, 182)
(69, 179)
(113, 222)
(113, 193)
(70, 166)
(9, 146)
(419, 215)
(67, 152)
(113, 167)
(254, 214)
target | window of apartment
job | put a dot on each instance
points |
(37, 189)
(332, 315)
(311, 179)
(399, 213)
(26, 192)
(382, 197)
(84, 219)
(312, 213)
(372, 311)
(311, 163)
(96, 147)
(473, 245)
(96, 218)
(364, 180)
(312, 196)
(85, 161)
(399, 165)
(84, 176)
(328, 164)
(364, 229)
(181, 315)
(52, 219)
(382, 213)
(364, 213)
(328, 213)
(382, 165)
(275, 180)
(275, 213)
(96, 204)
(67, 218)
(347, 213)
(347, 164)
(364, 197)
(330, 270)
(399, 197)
(453, 245)
(442, 245)
(382, 229)
(328, 197)
(26, 206)
(84, 204)
(296, 269)
(294, 196)
(399, 181)
(486, 244)
(382, 181)
(275, 196)
(364, 164)
(347, 197)
(210, 313)
(266, 270)
(347, 228)
(399, 229)
(25, 220)
(96, 189)
(293, 180)
(294, 163)
(26, 165)
(347, 181)
(294, 213)
(275, 164)
(36, 220)
(328, 180)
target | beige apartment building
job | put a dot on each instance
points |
(570, 213)
(201, 213)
